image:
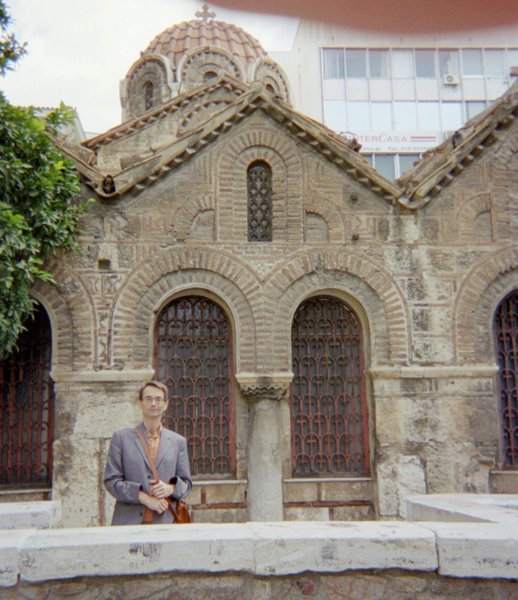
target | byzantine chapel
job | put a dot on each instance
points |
(332, 341)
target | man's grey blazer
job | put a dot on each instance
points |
(128, 471)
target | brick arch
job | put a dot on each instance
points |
(364, 285)
(331, 215)
(283, 157)
(153, 282)
(479, 295)
(469, 211)
(186, 213)
(72, 316)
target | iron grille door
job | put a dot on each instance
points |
(328, 402)
(27, 408)
(194, 359)
(506, 345)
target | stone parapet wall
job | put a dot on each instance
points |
(461, 546)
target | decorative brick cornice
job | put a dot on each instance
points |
(255, 386)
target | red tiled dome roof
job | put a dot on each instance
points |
(205, 31)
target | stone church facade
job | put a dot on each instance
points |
(333, 342)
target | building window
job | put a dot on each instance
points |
(379, 64)
(449, 63)
(425, 63)
(452, 118)
(403, 64)
(356, 62)
(27, 408)
(472, 62)
(381, 116)
(193, 357)
(259, 202)
(506, 346)
(474, 108)
(148, 95)
(494, 63)
(328, 405)
(333, 63)
(392, 166)
(406, 162)
(428, 116)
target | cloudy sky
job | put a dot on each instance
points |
(79, 50)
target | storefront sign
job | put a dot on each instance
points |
(396, 141)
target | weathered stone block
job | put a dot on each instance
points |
(306, 513)
(300, 491)
(220, 515)
(224, 492)
(30, 515)
(503, 482)
(352, 513)
(346, 490)
(397, 480)
(10, 556)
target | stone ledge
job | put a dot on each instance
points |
(258, 548)
(473, 549)
(477, 535)
(102, 376)
(417, 372)
(465, 508)
(30, 515)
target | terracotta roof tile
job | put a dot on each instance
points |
(175, 41)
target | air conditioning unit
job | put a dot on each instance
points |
(450, 79)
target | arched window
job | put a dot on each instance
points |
(27, 408)
(148, 95)
(259, 202)
(329, 434)
(193, 357)
(506, 347)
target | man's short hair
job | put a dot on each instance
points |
(157, 384)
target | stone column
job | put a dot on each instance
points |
(264, 460)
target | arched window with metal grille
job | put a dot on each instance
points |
(329, 436)
(259, 176)
(27, 408)
(194, 358)
(505, 329)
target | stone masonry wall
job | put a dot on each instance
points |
(392, 584)
(424, 286)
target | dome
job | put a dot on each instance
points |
(176, 41)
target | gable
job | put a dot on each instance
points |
(139, 152)
(205, 198)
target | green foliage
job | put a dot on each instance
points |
(10, 49)
(39, 210)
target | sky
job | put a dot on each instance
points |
(79, 51)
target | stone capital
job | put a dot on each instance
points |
(262, 386)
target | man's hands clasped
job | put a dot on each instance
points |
(157, 498)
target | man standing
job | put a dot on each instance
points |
(128, 476)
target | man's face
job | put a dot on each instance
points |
(153, 403)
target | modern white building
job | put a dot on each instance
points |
(399, 95)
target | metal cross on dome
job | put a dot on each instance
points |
(205, 13)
